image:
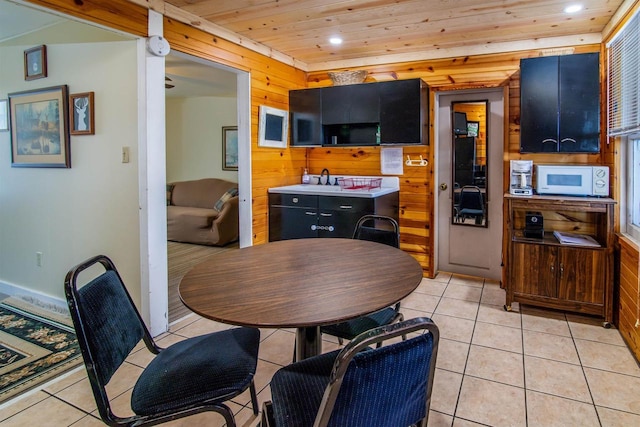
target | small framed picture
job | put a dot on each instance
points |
(81, 114)
(4, 115)
(230, 148)
(273, 127)
(473, 128)
(35, 63)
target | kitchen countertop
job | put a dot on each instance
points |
(389, 185)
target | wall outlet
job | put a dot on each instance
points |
(39, 259)
(125, 154)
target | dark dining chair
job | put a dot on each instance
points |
(381, 229)
(195, 375)
(388, 386)
(471, 204)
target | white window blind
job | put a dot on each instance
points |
(624, 79)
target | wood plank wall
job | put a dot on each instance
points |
(271, 81)
(416, 184)
(477, 112)
(118, 14)
(628, 299)
(627, 252)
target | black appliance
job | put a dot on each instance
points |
(459, 123)
(534, 226)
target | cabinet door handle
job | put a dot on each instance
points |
(552, 268)
(325, 214)
(309, 213)
(346, 207)
(549, 140)
(568, 140)
(561, 270)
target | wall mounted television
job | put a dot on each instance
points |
(459, 123)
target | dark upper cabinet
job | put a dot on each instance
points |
(350, 104)
(306, 110)
(392, 112)
(403, 106)
(560, 104)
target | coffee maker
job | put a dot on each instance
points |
(521, 174)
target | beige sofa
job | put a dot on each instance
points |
(203, 211)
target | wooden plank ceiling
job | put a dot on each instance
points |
(401, 29)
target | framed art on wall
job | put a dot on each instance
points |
(35, 63)
(473, 128)
(40, 128)
(81, 114)
(273, 127)
(230, 148)
(4, 115)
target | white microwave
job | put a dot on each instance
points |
(572, 180)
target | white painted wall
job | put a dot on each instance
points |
(72, 214)
(194, 137)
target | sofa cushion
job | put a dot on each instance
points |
(201, 193)
(232, 192)
(191, 217)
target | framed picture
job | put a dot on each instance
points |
(40, 128)
(230, 148)
(4, 115)
(473, 128)
(35, 63)
(81, 114)
(273, 127)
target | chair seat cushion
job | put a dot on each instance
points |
(297, 389)
(468, 211)
(212, 367)
(352, 328)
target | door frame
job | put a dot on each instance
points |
(157, 293)
(436, 158)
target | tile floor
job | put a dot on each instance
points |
(528, 367)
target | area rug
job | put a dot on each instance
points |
(33, 349)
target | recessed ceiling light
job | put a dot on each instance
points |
(335, 40)
(573, 8)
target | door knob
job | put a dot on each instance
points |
(443, 186)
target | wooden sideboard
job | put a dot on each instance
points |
(544, 272)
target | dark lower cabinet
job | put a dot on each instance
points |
(293, 216)
(560, 104)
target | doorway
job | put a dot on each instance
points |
(469, 241)
(204, 101)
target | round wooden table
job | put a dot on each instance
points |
(301, 283)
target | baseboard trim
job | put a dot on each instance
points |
(40, 300)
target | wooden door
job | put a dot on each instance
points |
(581, 275)
(534, 270)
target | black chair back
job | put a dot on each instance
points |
(358, 386)
(107, 325)
(471, 198)
(378, 228)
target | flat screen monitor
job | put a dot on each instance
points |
(459, 123)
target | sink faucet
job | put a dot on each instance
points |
(322, 174)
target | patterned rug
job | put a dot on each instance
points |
(33, 348)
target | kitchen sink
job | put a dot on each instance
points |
(389, 185)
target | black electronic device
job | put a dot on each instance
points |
(534, 225)
(459, 123)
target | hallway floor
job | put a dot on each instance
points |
(529, 367)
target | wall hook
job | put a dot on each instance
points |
(416, 162)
